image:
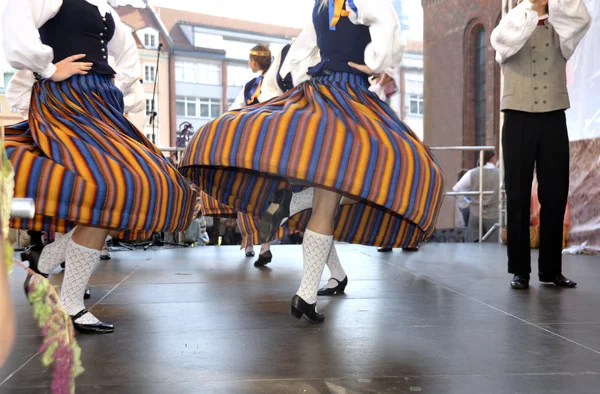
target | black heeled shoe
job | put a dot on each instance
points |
(88, 294)
(97, 328)
(271, 219)
(410, 249)
(384, 250)
(250, 254)
(301, 307)
(263, 259)
(339, 289)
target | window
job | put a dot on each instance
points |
(211, 41)
(415, 102)
(480, 61)
(150, 40)
(203, 108)
(205, 73)
(238, 75)
(149, 105)
(149, 73)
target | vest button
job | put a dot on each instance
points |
(103, 57)
(104, 19)
(102, 34)
(105, 28)
(103, 50)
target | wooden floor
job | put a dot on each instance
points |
(442, 320)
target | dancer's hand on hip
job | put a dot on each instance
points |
(68, 67)
(361, 67)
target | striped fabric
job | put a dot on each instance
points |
(83, 162)
(330, 132)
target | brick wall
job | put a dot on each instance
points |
(449, 27)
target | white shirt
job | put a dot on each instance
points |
(25, 51)
(384, 52)
(569, 18)
(464, 183)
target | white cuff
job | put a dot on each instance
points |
(49, 71)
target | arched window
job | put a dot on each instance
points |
(479, 72)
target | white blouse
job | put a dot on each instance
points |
(569, 18)
(383, 53)
(25, 51)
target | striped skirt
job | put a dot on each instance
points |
(333, 133)
(83, 162)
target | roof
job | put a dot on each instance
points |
(172, 20)
(139, 18)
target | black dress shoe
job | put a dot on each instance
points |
(105, 257)
(301, 307)
(384, 250)
(264, 259)
(339, 289)
(559, 281)
(98, 328)
(62, 265)
(520, 282)
(88, 294)
(250, 254)
(410, 249)
(271, 219)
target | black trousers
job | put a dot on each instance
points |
(536, 141)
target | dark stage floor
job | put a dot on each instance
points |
(442, 320)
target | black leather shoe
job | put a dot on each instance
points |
(559, 281)
(339, 289)
(98, 328)
(410, 249)
(271, 219)
(384, 250)
(264, 259)
(520, 282)
(88, 294)
(250, 254)
(62, 265)
(105, 257)
(301, 307)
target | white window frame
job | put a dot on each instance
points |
(150, 39)
(152, 74)
(198, 103)
(417, 98)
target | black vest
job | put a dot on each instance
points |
(286, 83)
(78, 28)
(345, 44)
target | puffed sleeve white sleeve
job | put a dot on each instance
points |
(303, 54)
(387, 47)
(127, 65)
(239, 101)
(23, 47)
(571, 20)
(514, 30)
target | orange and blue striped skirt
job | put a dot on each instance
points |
(329, 132)
(83, 162)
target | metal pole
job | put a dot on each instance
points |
(481, 196)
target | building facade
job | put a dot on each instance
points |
(462, 83)
(8, 115)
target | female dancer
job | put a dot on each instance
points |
(259, 62)
(330, 132)
(89, 170)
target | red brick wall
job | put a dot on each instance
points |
(448, 90)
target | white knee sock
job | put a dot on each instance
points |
(335, 267)
(301, 200)
(54, 254)
(316, 248)
(80, 264)
(264, 248)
